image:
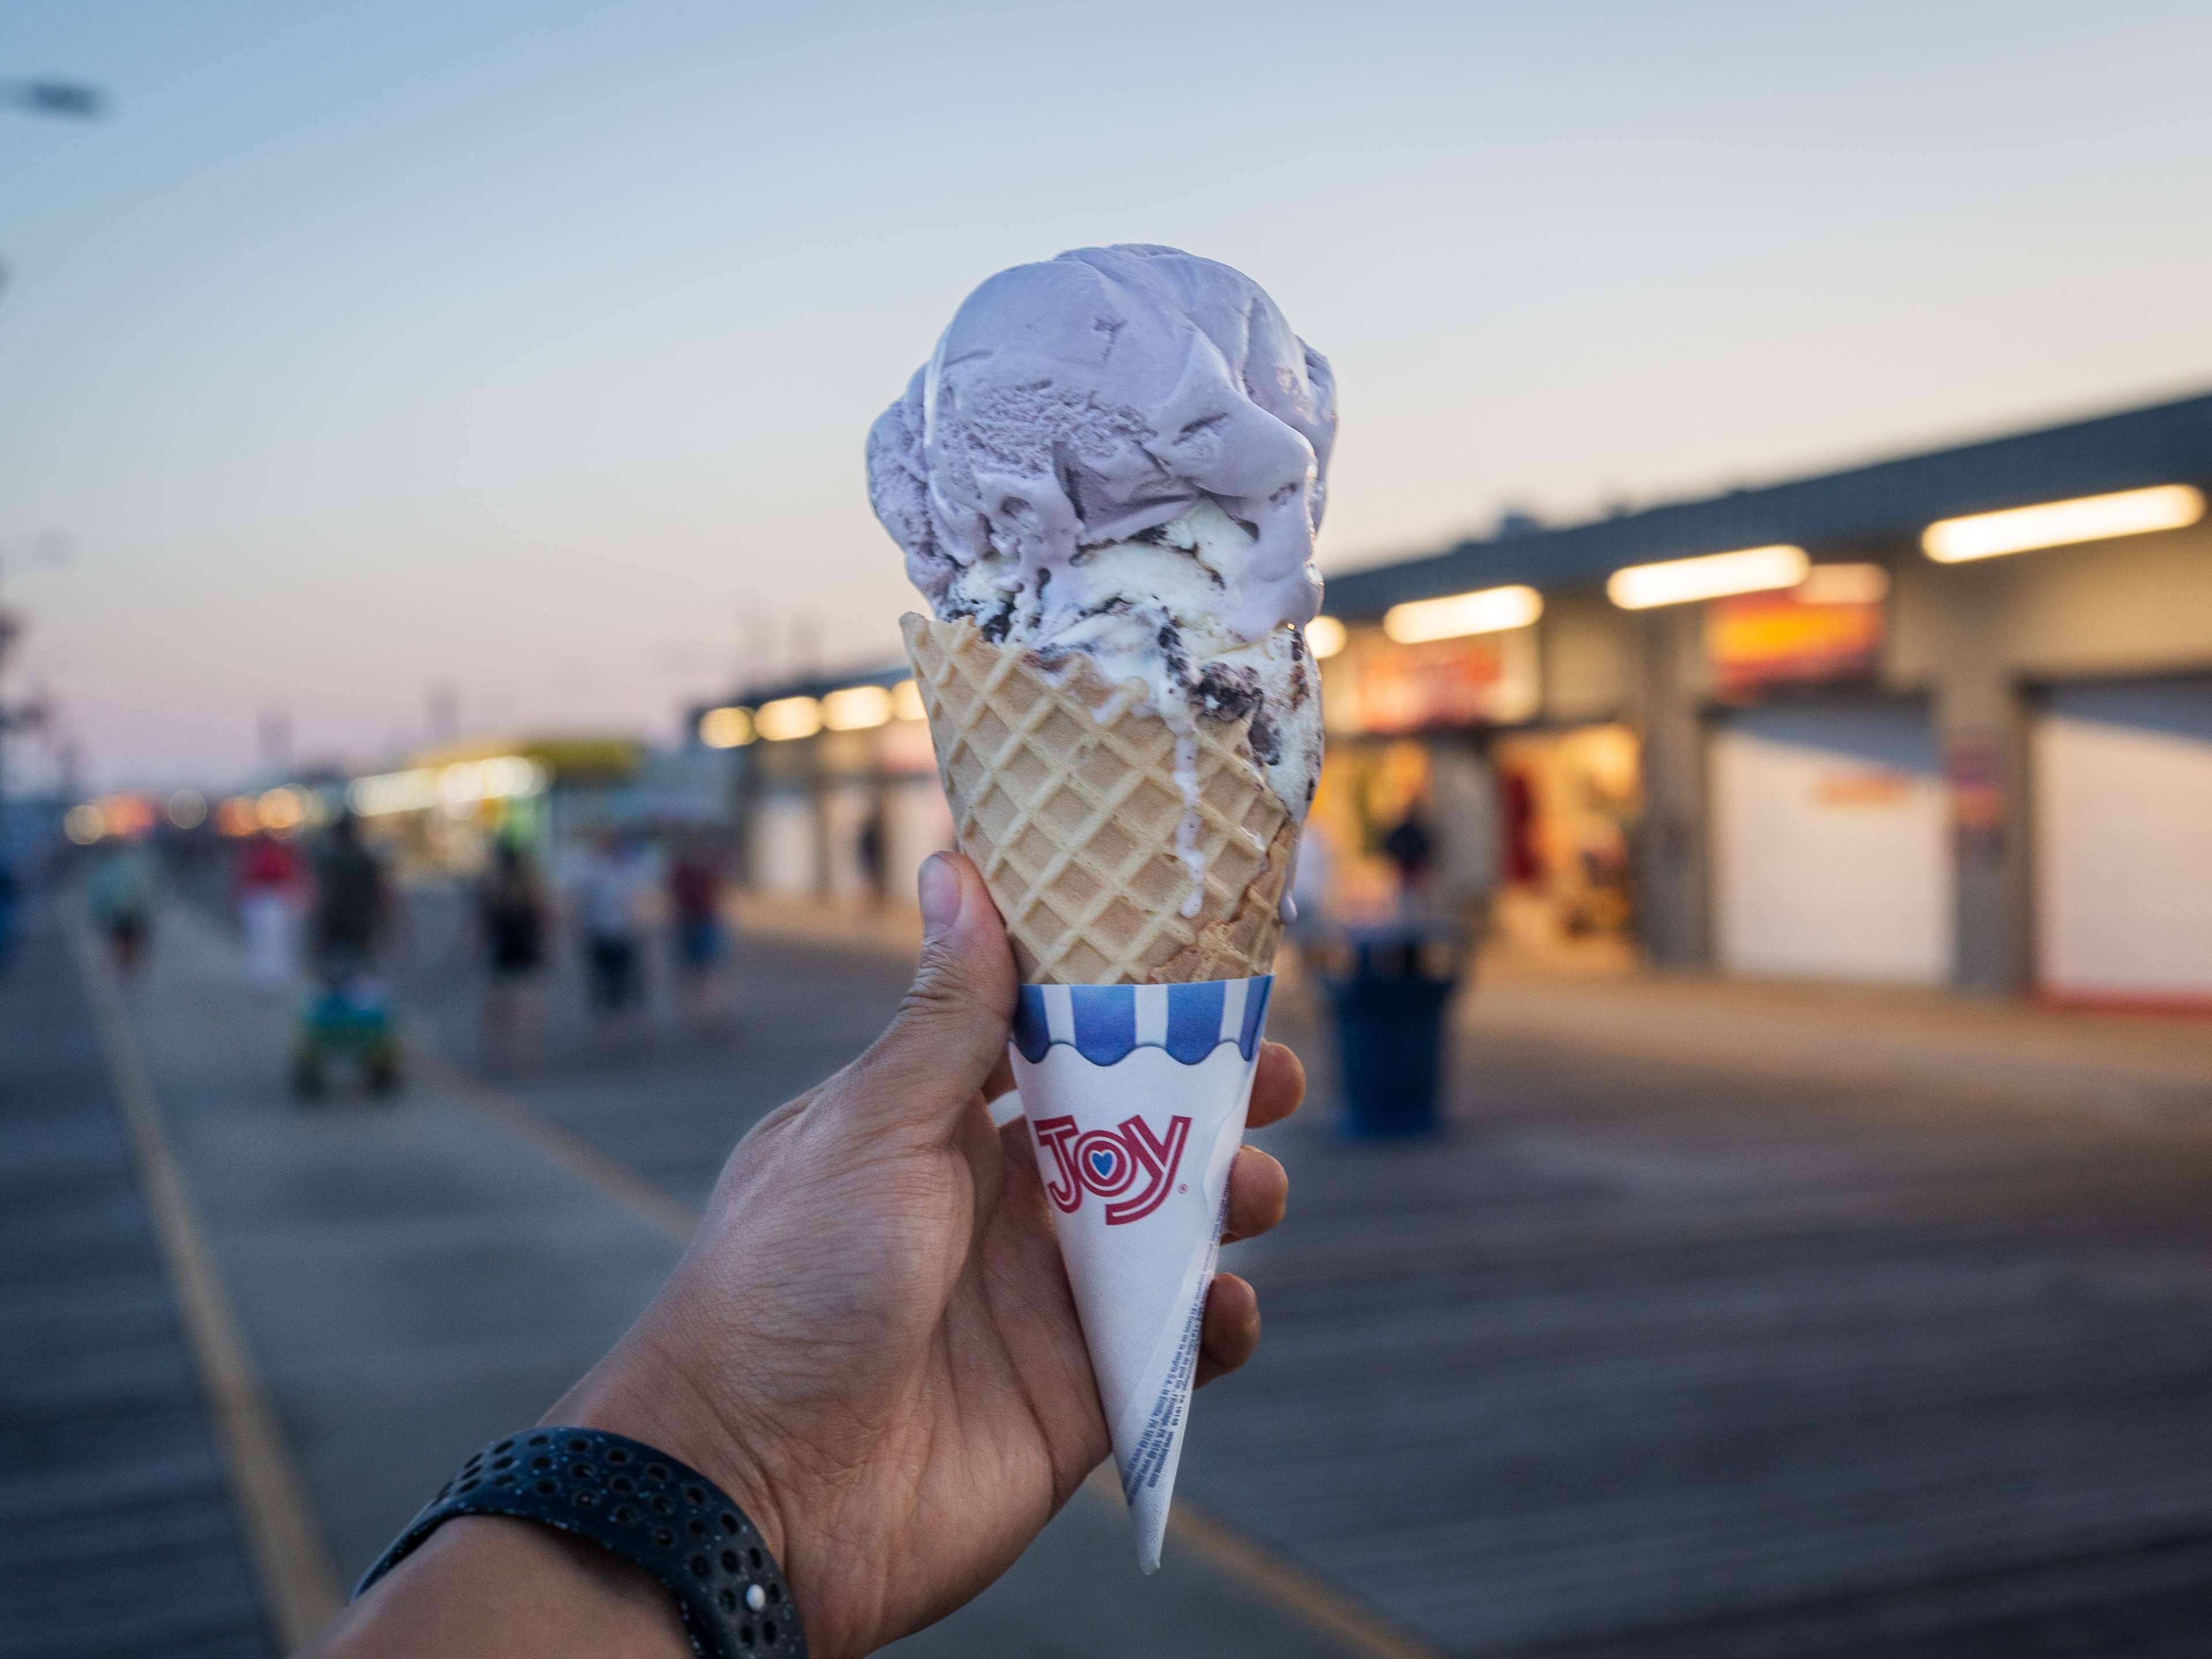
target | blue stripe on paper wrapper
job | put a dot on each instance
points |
(1194, 1020)
(1104, 1023)
(1105, 1020)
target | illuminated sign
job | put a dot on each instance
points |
(1754, 640)
(1377, 686)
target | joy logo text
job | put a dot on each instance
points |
(1131, 1167)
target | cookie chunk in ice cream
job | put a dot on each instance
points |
(1122, 453)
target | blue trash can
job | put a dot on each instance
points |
(1389, 991)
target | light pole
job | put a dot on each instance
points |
(65, 100)
(60, 100)
(49, 547)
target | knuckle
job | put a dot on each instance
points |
(938, 980)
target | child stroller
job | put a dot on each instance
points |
(347, 1017)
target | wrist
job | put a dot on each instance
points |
(636, 1391)
(485, 1585)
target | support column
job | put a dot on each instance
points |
(1947, 642)
(1673, 847)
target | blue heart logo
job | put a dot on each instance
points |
(1101, 1164)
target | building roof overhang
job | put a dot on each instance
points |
(1861, 509)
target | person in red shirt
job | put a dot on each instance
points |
(269, 887)
(694, 894)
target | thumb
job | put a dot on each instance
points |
(951, 1027)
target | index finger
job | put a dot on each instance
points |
(1279, 1084)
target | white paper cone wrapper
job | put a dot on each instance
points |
(1135, 1097)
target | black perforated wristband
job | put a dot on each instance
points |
(644, 1507)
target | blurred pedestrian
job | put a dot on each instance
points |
(510, 916)
(871, 849)
(352, 920)
(695, 894)
(351, 925)
(120, 893)
(610, 902)
(1410, 846)
(11, 903)
(269, 878)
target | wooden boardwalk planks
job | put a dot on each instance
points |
(1704, 1344)
(1669, 1360)
(1765, 1335)
(115, 1531)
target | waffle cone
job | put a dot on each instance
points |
(1063, 792)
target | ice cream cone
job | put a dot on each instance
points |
(1118, 851)
(1141, 875)
(1117, 540)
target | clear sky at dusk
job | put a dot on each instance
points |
(528, 347)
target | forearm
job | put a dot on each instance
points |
(494, 1587)
(486, 1588)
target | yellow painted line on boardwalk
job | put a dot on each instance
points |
(1361, 1629)
(564, 1146)
(299, 1587)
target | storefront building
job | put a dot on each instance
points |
(1944, 719)
(833, 784)
(442, 811)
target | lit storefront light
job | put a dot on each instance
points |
(788, 718)
(856, 708)
(906, 701)
(459, 787)
(1488, 611)
(279, 810)
(1844, 584)
(188, 808)
(727, 728)
(126, 816)
(414, 791)
(1325, 636)
(2063, 524)
(84, 824)
(1708, 576)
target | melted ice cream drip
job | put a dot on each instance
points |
(1187, 847)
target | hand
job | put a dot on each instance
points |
(871, 1343)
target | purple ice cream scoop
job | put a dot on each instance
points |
(1097, 397)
